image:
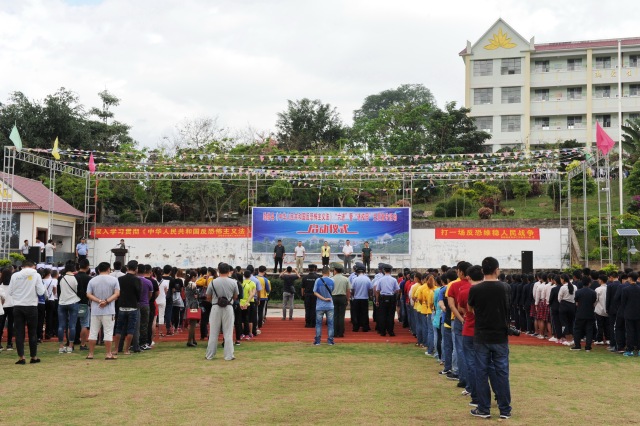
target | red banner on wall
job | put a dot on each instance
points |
(174, 232)
(487, 234)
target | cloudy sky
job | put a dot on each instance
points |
(240, 60)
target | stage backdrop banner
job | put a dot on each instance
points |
(386, 229)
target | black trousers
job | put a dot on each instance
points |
(8, 319)
(237, 320)
(51, 319)
(567, 317)
(360, 314)
(523, 318)
(603, 328)
(309, 310)
(556, 325)
(262, 311)
(583, 328)
(26, 316)
(41, 316)
(253, 317)
(204, 321)
(386, 313)
(612, 329)
(633, 334)
(621, 333)
(367, 264)
(339, 312)
(529, 319)
(150, 330)
(325, 261)
(245, 319)
(278, 261)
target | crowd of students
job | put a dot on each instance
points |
(147, 303)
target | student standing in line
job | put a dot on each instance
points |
(630, 305)
(567, 309)
(602, 319)
(585, 316)
(554, 307)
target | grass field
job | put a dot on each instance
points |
(297, 383)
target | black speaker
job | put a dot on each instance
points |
(527, 262)
(34, 254)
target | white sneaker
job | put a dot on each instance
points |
(541, 337)
(258, 332)
(567, 343)
(62, 350)
(553, 339)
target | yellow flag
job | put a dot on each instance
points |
(55, 151)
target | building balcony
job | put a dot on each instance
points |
(560, 77)
(559, 106)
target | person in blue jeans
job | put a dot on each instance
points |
(455, 289)
(490, 303)
(322, 289)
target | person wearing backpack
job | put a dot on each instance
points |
(222, 293)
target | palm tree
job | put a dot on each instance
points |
(631, 139)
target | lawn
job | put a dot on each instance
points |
(297, 383)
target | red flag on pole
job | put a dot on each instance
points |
(603, 141)
(92, 164)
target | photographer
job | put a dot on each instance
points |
(490, 302)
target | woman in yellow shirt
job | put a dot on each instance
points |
(428, 294)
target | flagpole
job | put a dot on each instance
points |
(620, 127)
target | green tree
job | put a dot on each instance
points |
(108, 136)
(280, 191)
(309, 125)
(412, 95)
(631, 139)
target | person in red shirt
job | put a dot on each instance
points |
(475, 276)
(458, 319)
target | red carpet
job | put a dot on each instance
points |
(276, 330)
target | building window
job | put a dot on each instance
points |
(541, 95)
(510, 66)
(483, 68)
(541, 123)
(510, 123)
(604, 120)
(482, 96)
(634, 90)
(511, 95)
(542, 66)
(484, 123)
(633, 61)
(574, 93)
(574, 64)
(603, 62)
(574, 122)
(603, 91)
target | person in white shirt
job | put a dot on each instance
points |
(602, 319)
(68, 301)
(48, 252)
(41, 245)
(25, 248)
(347, 251)
(24, 288)
(300, 253)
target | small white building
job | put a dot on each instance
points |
(30, 200)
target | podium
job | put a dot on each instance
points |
(120, 254)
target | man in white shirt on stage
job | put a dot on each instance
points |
(347, 250)
(300, 253)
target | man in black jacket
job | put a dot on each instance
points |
(585, 317)
(82, 327)
(612, 287)
(308, 281)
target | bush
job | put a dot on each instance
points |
(610, 267)
(454, 207)
(485, 213)
(4, 263)
(491, 202)
(17, 257)
(276, 288)
(128, 217)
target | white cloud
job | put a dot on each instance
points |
(241, 60)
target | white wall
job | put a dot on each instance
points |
(426, 251)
